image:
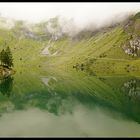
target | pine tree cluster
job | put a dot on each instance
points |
(6, 57)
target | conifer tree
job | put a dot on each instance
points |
(6, 57)
(2, 57)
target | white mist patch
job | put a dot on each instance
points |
(83, 122)
(46, 80)
(75, 16)
(46, 50)
(82, 13)
(6, 23)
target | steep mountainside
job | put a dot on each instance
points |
(111, 49)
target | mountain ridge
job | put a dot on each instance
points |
(88, 49)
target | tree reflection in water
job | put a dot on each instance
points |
(6, 85)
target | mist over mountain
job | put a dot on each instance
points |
(58, 26)
(71, 18)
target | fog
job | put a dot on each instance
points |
(73, 16)
(82, 13)
(82, 123)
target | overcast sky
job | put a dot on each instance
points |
(81, 12)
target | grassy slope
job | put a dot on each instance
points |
(70, 53)
(25, 51)
(86, 51)
(105, 47)
(100, 54)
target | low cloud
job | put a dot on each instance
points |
(74, 16)
(82, 122)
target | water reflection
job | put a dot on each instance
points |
(94, 91)
(49, 81)
(59, 94)
(82, 123)
(6, 85)
(131, 89)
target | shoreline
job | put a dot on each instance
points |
(6, 71)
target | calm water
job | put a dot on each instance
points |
(69, 104)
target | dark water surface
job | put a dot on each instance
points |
(69, 104)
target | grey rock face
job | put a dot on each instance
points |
(132, 47)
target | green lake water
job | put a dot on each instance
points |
(58, 103)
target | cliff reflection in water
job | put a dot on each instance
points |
(132, 89)
(6, 85)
